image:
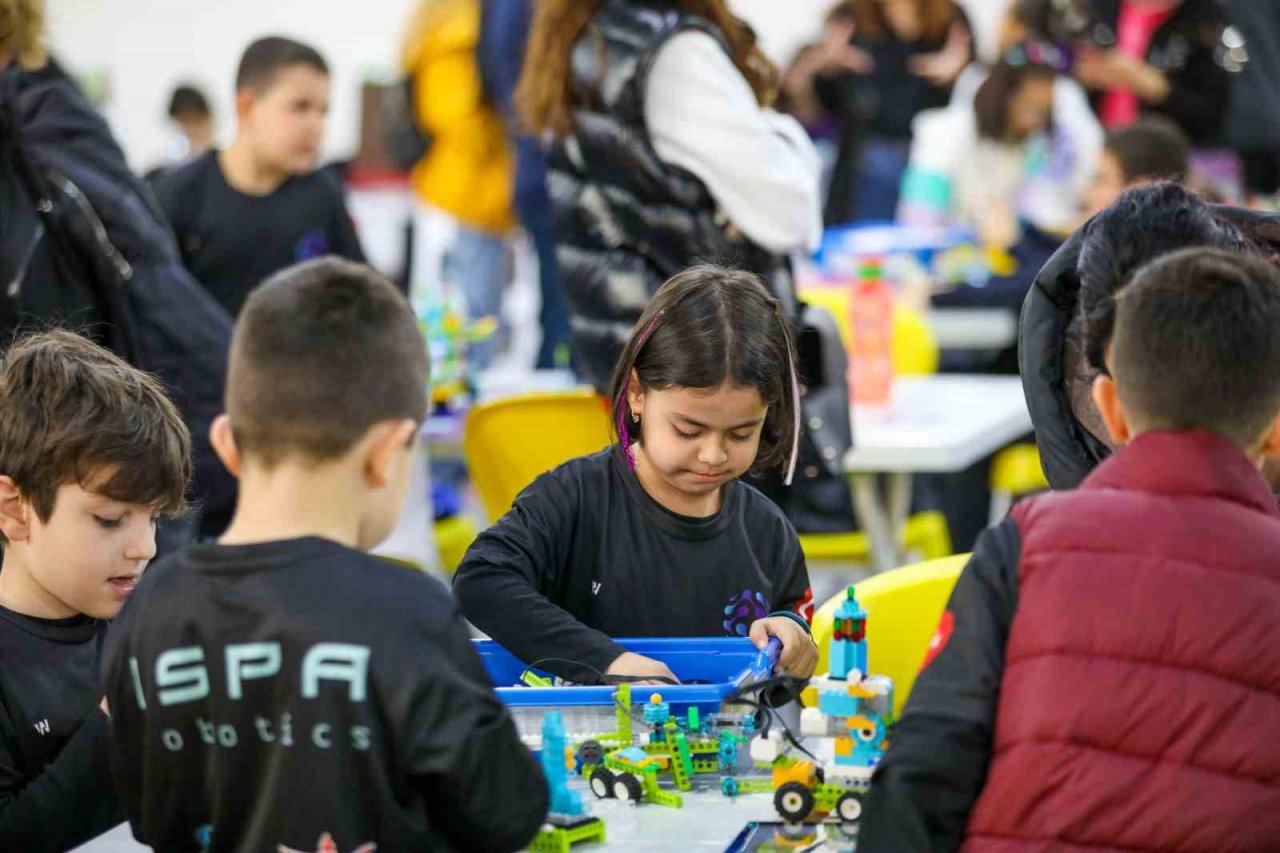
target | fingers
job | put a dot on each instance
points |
(760, 632)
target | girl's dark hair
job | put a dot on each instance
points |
(1140, 226)
(706, 326)
(1023, 62)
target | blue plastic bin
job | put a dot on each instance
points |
(720, 662)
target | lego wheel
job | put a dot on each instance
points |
(602, 783)
(793, 801)
(849, 807)
(627, 787)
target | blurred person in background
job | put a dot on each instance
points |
(665, 153)
(468, 170)
(85, 245)
(1151, 149)
(504, 35)
(1253, 113)
(905, 57)
(1168, 57)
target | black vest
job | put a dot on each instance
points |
(626, 221)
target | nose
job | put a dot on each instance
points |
(142, 544)
(712, 452)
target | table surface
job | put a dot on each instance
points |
(708, 821)
(937, 424)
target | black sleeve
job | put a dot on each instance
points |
(927, 784)
(71, 802)
(484, 789)
(508, 580)
(342, 231)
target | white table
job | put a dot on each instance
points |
(708, 821)
(973, 328)
(936, 424)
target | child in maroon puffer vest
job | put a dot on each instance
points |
(1107, 673)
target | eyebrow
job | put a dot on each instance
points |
(700, 425)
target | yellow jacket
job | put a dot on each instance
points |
(469, 170)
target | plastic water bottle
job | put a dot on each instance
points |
(871, 319)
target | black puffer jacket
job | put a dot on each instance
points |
(626, 221)
(1049, 339)
(1191, 49)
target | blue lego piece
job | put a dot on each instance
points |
(657, 712)
(555, 766)
(848, 650)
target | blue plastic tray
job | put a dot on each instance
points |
(719, 661)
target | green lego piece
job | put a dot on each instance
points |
(558, 839)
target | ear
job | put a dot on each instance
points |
(14, 512)
(244, 103)
(386, 441)
(224, 444)
(1107, 399)
(1271, 441)
(635, 395)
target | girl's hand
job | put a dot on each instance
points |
(639, 666)
(799, 655)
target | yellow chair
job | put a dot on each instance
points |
(903, 608)
(915, 353)
(1015, 472)
(454, 536)
(508, 443)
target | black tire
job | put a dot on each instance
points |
(627, 787)
(602, 783)
(849, 807)
(793, 801)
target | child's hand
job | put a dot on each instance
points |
(799, 655)
(104, 707)
(639, 666)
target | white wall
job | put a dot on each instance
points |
(144, 47)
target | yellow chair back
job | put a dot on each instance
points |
(903, 608)
(509, 442)
(914, 347)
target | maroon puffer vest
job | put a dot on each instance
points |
(1140, 707)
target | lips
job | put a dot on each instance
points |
(124, 584)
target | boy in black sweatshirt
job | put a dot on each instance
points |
(282, 689)
(91, 452)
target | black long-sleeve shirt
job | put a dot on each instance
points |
(266, 696)
(55, 772)
(585, 554)
(231, 241)
(927, 784)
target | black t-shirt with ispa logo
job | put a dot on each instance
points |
(231, 241)
(291, 695)
(55, 770)
(585, 554)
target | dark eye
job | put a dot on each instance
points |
(108, 523)
(740, 438)
(684, 434)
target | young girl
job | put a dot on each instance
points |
(656, 536)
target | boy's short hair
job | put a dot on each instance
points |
(322, 351)
(1197, 344)
(186, 101)
(73, 412)
(267, 57)
(1152, 148)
